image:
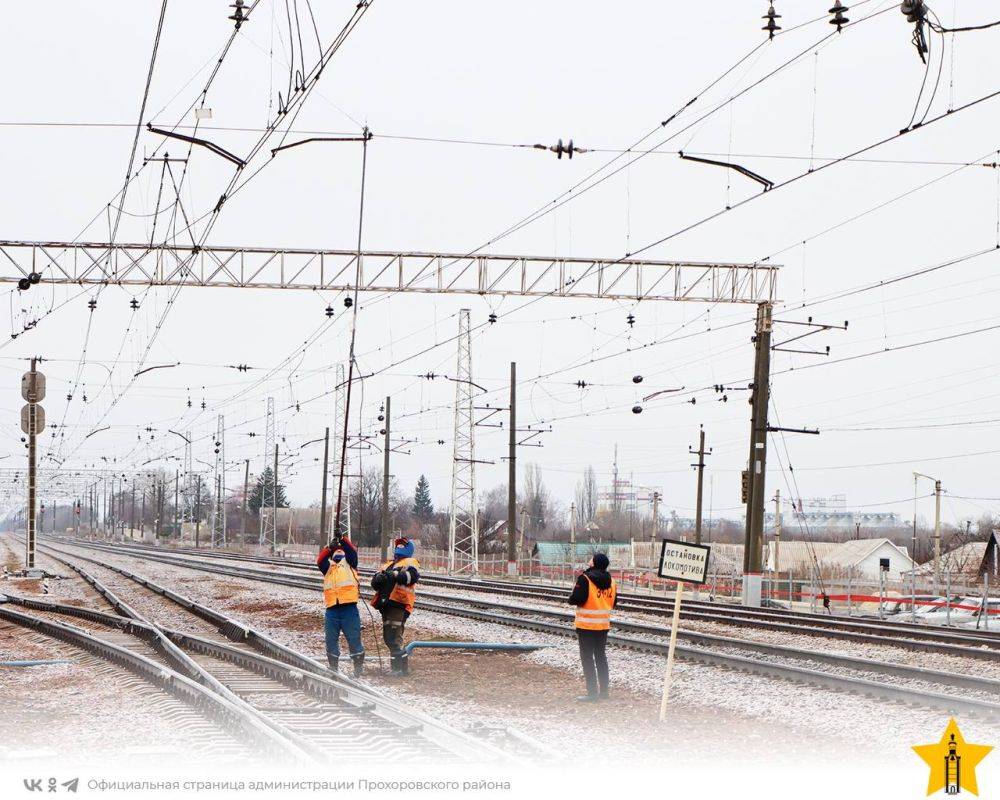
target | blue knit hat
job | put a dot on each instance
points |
(404, 549)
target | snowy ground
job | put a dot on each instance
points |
(744, 717)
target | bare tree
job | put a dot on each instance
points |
(586, 496)
(536, 500)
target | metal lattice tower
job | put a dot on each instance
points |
(340, 408)
(267, 521)
(219, 508)
(463, 532)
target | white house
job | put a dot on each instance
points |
(863, 556)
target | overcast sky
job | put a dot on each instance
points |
(603, 75)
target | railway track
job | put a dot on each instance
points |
(296, 706)
(823, 669)
(914, 638)
(870, 630)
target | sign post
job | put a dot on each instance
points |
(683, 563)
(32, 422)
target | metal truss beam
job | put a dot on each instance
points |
(96, 263)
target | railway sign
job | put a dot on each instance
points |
(33, 387)
(26, 419)
(681, 561)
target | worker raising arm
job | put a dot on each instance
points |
(338, 562)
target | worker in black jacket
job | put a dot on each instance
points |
(594, 595)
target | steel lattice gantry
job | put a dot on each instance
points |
(95, 263)
(463, 529)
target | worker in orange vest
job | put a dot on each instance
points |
(338, 562)
(395, 596)
(594, 596)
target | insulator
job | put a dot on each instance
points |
(838, 15)
(329, 311)
(630, 319)
(92, 303)
(23, 284)
(771, 26)
(348, 302)
(582, 384)
(134, 305)
(636, 409)
(382, 432)
(637, 379)
(34, 278)
(381, 418)
(493, 318)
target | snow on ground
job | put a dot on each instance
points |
(719, 709)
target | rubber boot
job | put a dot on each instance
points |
(359, 664)
(396, 665)
(333, 662)
(404, 664)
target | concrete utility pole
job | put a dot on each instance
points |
(777, 535)
(246, 487)
(322, 505)
(274, 501)
(197, 512)
(384, 538)
(572, 528)
(757, 463)
(512, 477)
(937, 526)
(700, 466)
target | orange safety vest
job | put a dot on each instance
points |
(406, 595)
(595, 613)
(340, 584)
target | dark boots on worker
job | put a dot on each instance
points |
(359, 664)
(400, 664)
(333, 662)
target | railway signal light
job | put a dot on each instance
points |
(771, 26)
(745, 486)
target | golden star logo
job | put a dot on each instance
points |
(952, 761)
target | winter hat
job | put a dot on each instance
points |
(601, 561)
(403, 548)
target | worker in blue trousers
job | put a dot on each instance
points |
(338, 562)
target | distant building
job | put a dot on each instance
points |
(969, 561)
(860, 557)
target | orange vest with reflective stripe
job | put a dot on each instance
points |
(595, 613)
(406, 595)
(340, 584)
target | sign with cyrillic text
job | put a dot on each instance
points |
(681, 561)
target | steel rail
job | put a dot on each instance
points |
(510, 617)
(184, 688)
(313, 583)
(690, 608)
(352, 691)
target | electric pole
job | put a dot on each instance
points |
(322, 505)
(700, 466)
(572, 529)
(757, 463)
(274, 501)
(777, 535)
(512, 476)
(246, 487)
(384, 538)
(32, 421)
(937, 535)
